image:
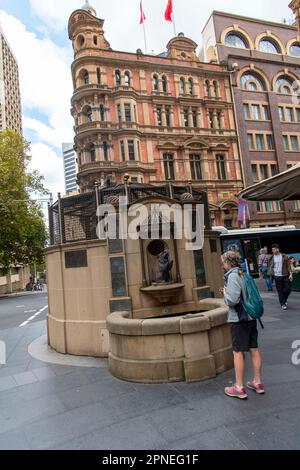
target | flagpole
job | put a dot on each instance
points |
(145, 38)
(174, 24)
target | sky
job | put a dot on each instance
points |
(37, 33)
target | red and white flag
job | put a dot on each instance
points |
(143, 16)
(169, 11)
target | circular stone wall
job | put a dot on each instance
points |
(183, 348)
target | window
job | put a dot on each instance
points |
(86, 78)
(236, 40)
(169, 166)
(135, 113)
(250, 142)
(207, 88)
(98, 76)
(270, 142)
(131, 152)
(159, 115)
(254, 173)
(139, 150)
(260, 145)
(88, 113)
(155, 82)
(127, 79)
(216, 88)
(246, 111)
(168, 116)
(102, 112)
(123, 155)
(186, 117)
(191, 87)
(281, 113)
(93, 153)
(95, 39)
(295, 49)
(211, 120)
(286, 142)
(127, 108)
(80, 40)
(194, 113)
(252, 82)
(289, 114)
(119, 113)
(266, 113)
(182, 86)
(271, 47)
(195, 164)
(219, 119)
(284, 85)
(221, 167)
(164, 84)
(264, 173)
(294, 143)
(118, 78)
(105, 151)
(256, 112)
(298, 114)
(274, 170)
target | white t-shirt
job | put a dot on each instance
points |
(278, 261)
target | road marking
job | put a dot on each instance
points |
(33, 316)
(30, 311)
(20, 306)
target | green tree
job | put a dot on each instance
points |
(23, 232)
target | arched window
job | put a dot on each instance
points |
(295, 49)
(164, 84)
(127, 79)
(98, 75)
(95, 39)
(105, 151)
(102, 112)
(80, 40)
(92, 153)
(284, 85)
(85, 77)
(118, 78)
(207, 87)
(191, 86)
(216, 88)
(252, 82)
(236, 40)
(155, 82)
(88, 114)
(182, 86)
(269, 45)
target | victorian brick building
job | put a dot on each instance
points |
(156, 118)
(264, 61)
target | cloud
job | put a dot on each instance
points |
(50, 165)
(53, 14)
(45, 79)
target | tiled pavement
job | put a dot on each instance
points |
(44, 406)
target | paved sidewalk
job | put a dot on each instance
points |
(44, 406)
(22, 293)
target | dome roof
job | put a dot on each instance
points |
(89, 8)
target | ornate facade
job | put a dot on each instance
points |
(263, 59)
(156, 118)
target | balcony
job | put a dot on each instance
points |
(118, 167)
(92, 126)
(89, 88)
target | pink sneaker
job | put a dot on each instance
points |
(235, 393)
(258, 388)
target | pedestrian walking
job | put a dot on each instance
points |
(263, 265)
(280, 269)
(243, 328)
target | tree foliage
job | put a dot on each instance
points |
(23, 233)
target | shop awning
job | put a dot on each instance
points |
(284, 186)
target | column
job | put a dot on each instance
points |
(215, 120)
(163, 116)
(190, 119)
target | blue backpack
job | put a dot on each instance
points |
(254, 305)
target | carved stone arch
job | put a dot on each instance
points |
(287, 73)
(273, 38)
(195, 144)
(291, 42)
(168, 146)
(239, 31)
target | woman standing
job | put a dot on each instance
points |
(243, 328)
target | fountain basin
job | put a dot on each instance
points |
(163, 292)
(184, 348)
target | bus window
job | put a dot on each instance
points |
(251, 250)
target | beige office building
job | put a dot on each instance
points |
(10, 99)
